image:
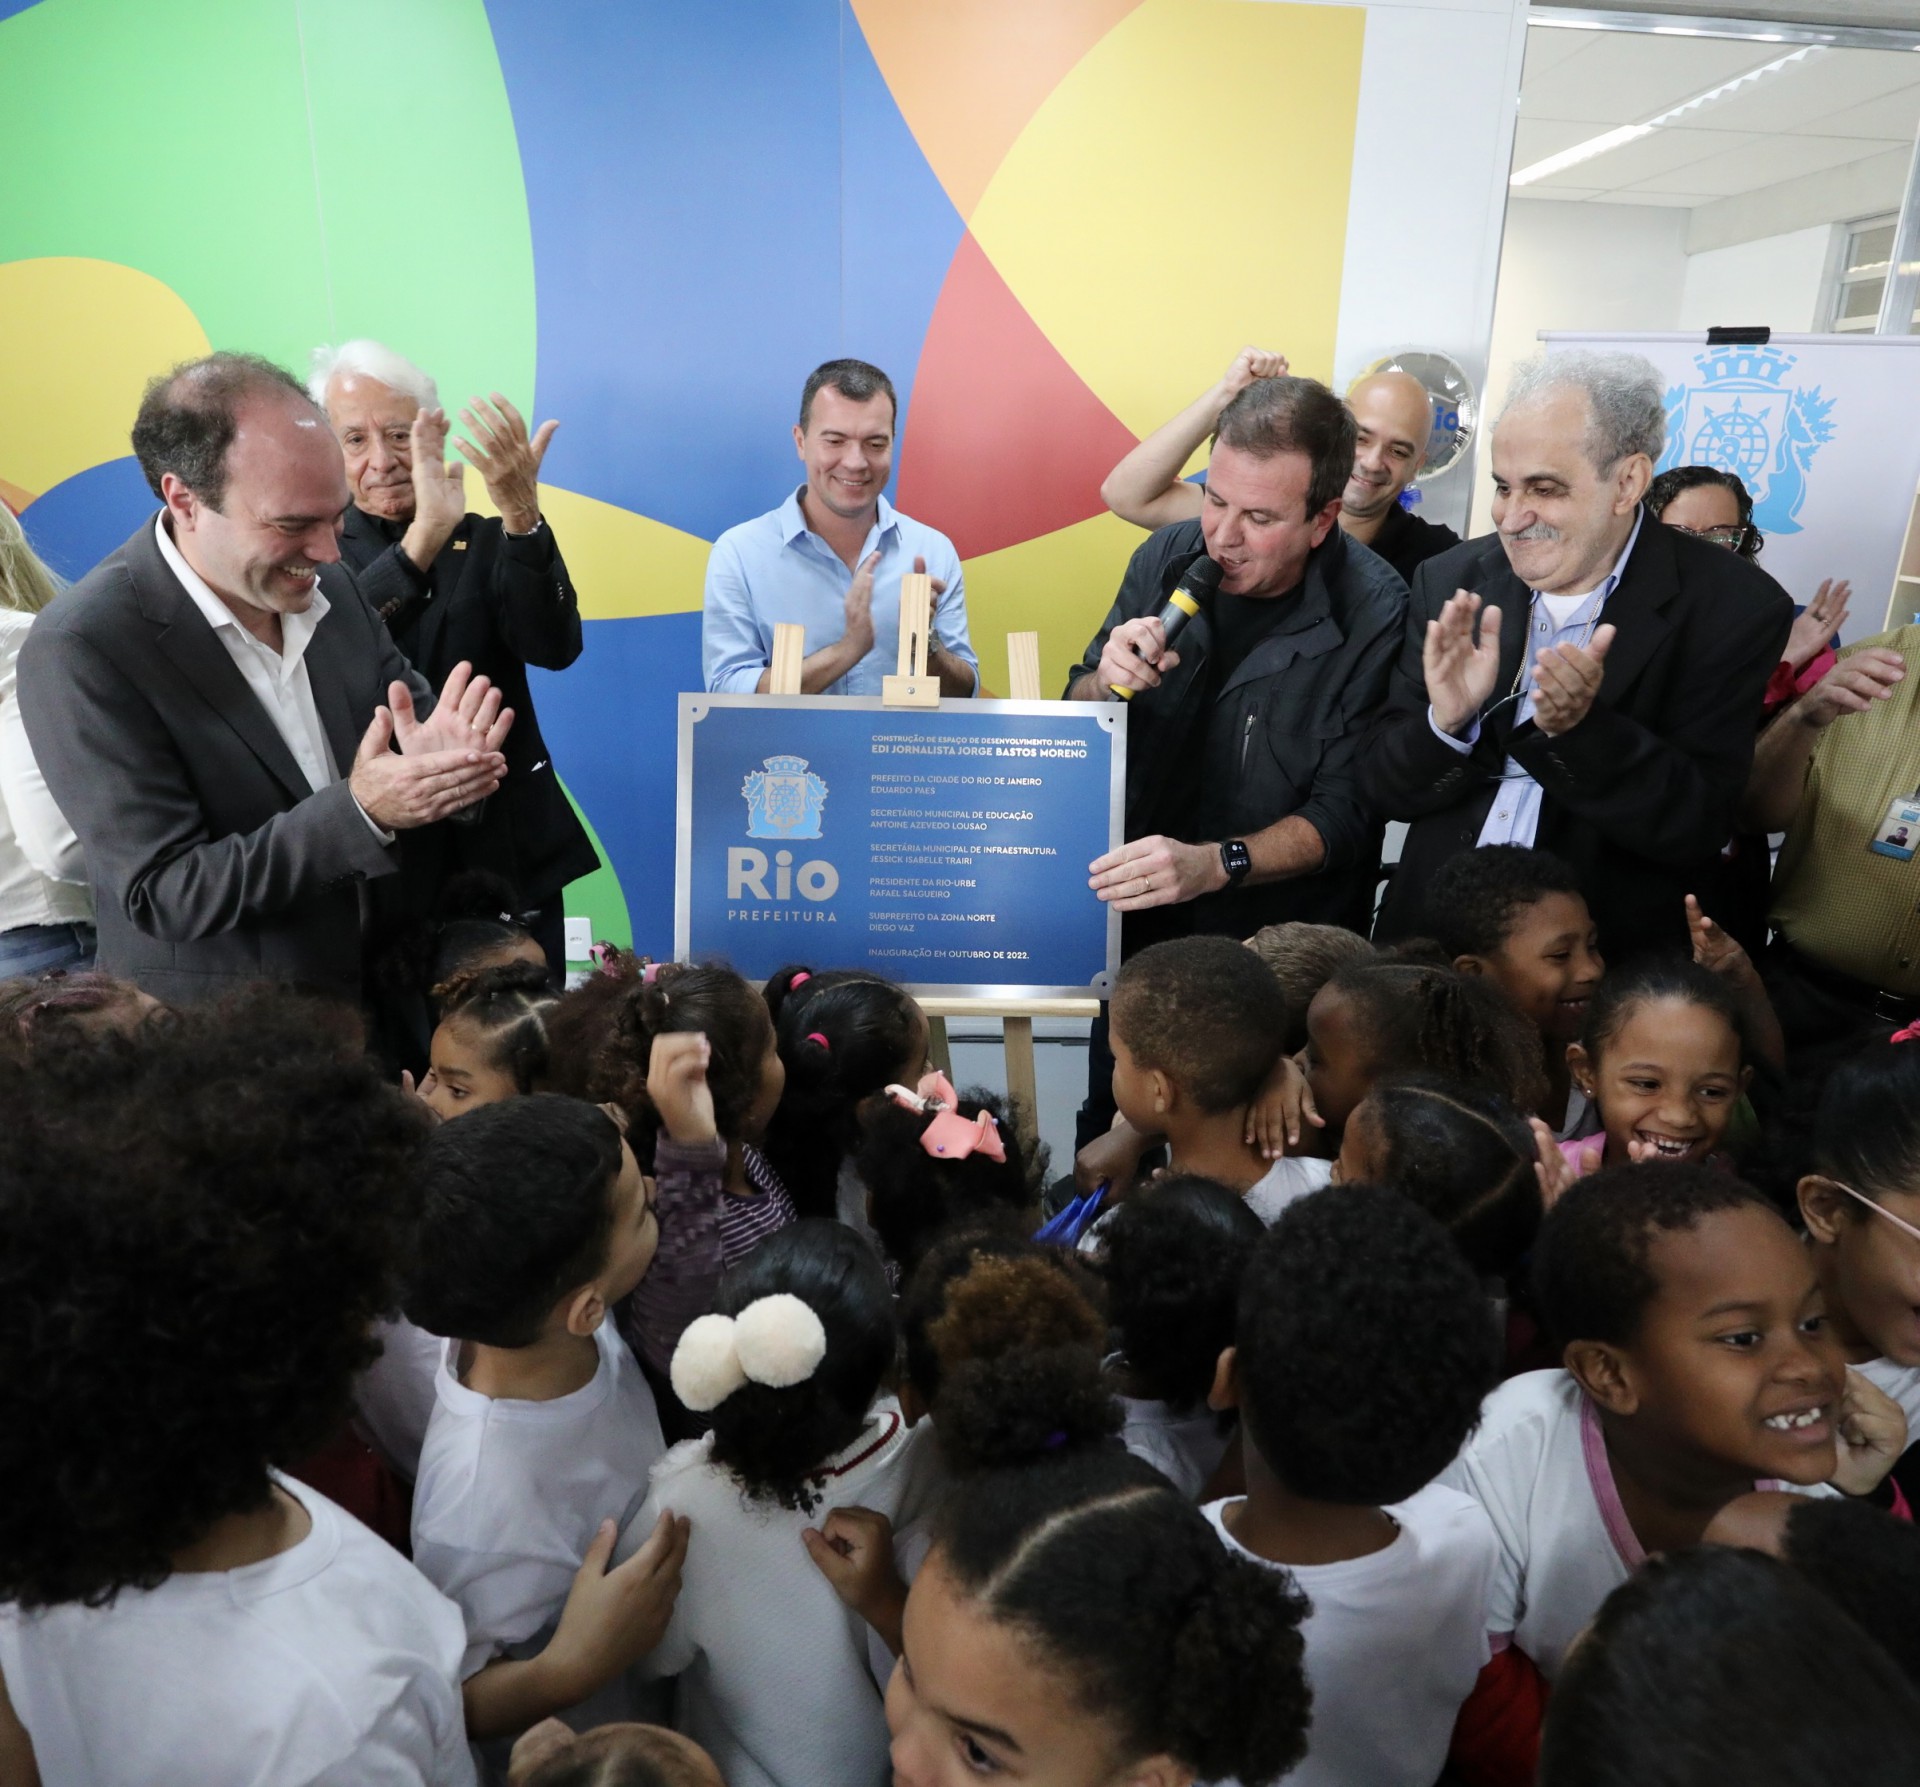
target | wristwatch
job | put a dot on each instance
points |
(1237, 860)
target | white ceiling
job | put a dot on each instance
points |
(1834, 107)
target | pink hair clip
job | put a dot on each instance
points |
(799, 980)
(649, 974)
(1910, 1034)
(816, 1036)
(949, 1136)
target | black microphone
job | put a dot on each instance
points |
(1191, 594)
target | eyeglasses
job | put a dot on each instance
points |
(1899, 1222)
(1732, 538)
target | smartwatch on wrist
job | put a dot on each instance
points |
(1237, 860)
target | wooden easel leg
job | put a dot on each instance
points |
(1022, 1085)
(938, 1053)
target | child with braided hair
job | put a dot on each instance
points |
(491, 1041)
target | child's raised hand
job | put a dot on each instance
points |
(1552, 1168)
(853, 1549)
(1870, 1433)
(412, 1091)
(677, 1084)
(613, 1617)
(1713, 949)
(1111, 1160)
(1280, 1111)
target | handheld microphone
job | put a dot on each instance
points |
(1191, 594)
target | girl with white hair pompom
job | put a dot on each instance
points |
(778, 1680)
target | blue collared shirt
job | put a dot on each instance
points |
(774, 568)
(1514, 817)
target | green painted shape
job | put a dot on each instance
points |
(597, 897)
(298, 171)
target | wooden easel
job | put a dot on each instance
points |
(914, 687)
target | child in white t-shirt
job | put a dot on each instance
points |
(775, 1680)
(538, 1220)
(201, 1224)
(1174, 1258)
(1361, 1350)
(1699, 1362)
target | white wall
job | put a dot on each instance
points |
(1775, 281)
(1577, 266)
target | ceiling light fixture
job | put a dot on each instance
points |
(1618, 138)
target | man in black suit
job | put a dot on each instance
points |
(455, 586)
(215, 706)
(1586, 679)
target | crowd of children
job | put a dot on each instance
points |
(1456, 1370)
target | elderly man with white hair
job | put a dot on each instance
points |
(454, 586)
(1583, 680)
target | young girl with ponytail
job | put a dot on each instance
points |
(775, 1678)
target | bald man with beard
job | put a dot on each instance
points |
(1394, 416)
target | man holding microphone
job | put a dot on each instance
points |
(1243, 805)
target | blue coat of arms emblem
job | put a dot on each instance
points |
(783, 799)
(1744, 417)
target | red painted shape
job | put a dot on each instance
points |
(1003, 441)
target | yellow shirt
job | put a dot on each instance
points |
(1833, 897)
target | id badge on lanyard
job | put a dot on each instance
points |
(1898, 833)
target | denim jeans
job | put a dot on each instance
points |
(30, 950)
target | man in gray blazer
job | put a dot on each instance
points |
(223, 718)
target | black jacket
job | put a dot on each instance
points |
(500, 605)
(1406, 541)
(1281, 736)
(1639, 797)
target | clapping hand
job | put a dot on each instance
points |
(1460, 673)
(444, 763)
(1566, 678)
(439, 490)
(1869, 1434)
(506, 459)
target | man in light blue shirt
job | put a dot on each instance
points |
(831, 558)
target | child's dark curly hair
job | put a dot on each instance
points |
(774, 1440)
(1867, 1563)
(1004, 1346)
(1591, 1276)
(1474, 897)
(518, 1210)
(1174, 1260)
(913, 1196)
(1122, 1587)
(843, 1035)
(198, 1226)
(710, 998)
(506, 1008)
(1466, 1157)
(1205, 1011)
(89, 1003)
(1363, 1348)
(1420, 1014)
(580, 1028)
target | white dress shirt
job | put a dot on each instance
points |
(1514, 817)
(278, 679)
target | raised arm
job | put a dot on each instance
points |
(1783, 752)
(1146, 487)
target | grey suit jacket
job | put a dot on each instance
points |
(212, 860)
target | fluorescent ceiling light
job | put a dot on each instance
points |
(1632, 133)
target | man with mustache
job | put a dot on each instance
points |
(454, 586)
(1583, 680)
(216, 708)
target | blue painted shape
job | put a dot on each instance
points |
(80, 520)
(899, 229)
(682, 169)
(9, 7)
(611, 722)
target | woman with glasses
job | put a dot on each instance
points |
(1861, 1208)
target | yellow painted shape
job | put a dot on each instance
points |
(82, 338)
(623, 564)
(1182, 192)
(967, 78)
(1060, 584)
